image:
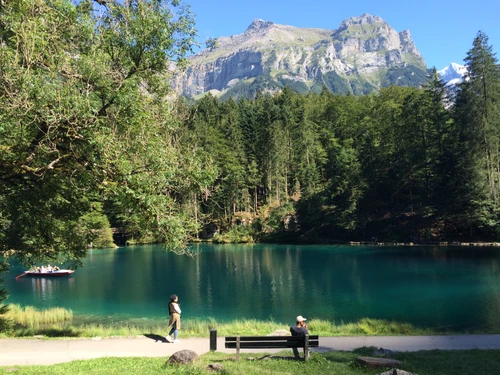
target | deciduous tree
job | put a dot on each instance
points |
(83, 117)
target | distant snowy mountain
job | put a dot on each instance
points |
(452, 74)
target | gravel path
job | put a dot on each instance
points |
(44, 352)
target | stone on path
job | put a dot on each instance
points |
(183, 357)
(373, 362)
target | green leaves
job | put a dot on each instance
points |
(84, 119)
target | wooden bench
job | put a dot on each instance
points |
(272, 342)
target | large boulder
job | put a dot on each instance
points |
(373, 362)
(183, 357)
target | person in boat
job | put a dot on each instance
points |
(43, 269)
(49, 268)
(299, 329)
(174, 323)
(55, 268)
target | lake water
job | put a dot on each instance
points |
(455, 288)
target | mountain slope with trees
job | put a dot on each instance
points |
(399, 165)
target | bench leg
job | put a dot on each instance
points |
(306, 348)
(237, 348)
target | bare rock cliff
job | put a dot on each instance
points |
(362, 49)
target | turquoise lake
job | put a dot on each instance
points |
(439, 287)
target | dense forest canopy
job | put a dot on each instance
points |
(89, 139)
(406, 164)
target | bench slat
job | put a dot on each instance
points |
(270, 345)
(270, 338)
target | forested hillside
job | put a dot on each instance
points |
(398, 165)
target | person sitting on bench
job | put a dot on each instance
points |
(300, 329)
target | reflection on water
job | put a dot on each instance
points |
(443, 287)
(46, 288)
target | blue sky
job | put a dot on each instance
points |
(443, 30)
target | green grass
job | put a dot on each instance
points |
(435, 362)
(31, 317)
(57, 322)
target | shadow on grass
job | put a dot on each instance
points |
(156, 337)
(343, 357)
(365, 350)
(5, 324)
(286, 358)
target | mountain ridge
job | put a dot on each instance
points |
(362, 55)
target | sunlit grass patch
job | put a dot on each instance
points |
(59, 322)
(243, 327)
(451, 362)
(30, 317)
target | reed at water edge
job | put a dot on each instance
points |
(31, 317)
(58, 322)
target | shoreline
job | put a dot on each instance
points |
(356, 243)
(76, 327)
(441, 244)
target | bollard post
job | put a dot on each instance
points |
(213, 340)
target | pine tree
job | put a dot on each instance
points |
(477, 113)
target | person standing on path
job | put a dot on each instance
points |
(300, 329)
(175, 318)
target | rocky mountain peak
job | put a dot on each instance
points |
(258, 24)
(364, 54)
(364, 26)
(365, 19)
(254, 33)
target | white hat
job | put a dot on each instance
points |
(300, 318)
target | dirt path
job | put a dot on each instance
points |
(44, 352)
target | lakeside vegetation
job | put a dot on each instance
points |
(58, 322)
(435, 362)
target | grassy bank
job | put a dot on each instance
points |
(31, 317)
(58, 322)
(463, 362)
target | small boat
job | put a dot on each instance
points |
(57, 273)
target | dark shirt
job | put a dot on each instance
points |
(298, 331)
